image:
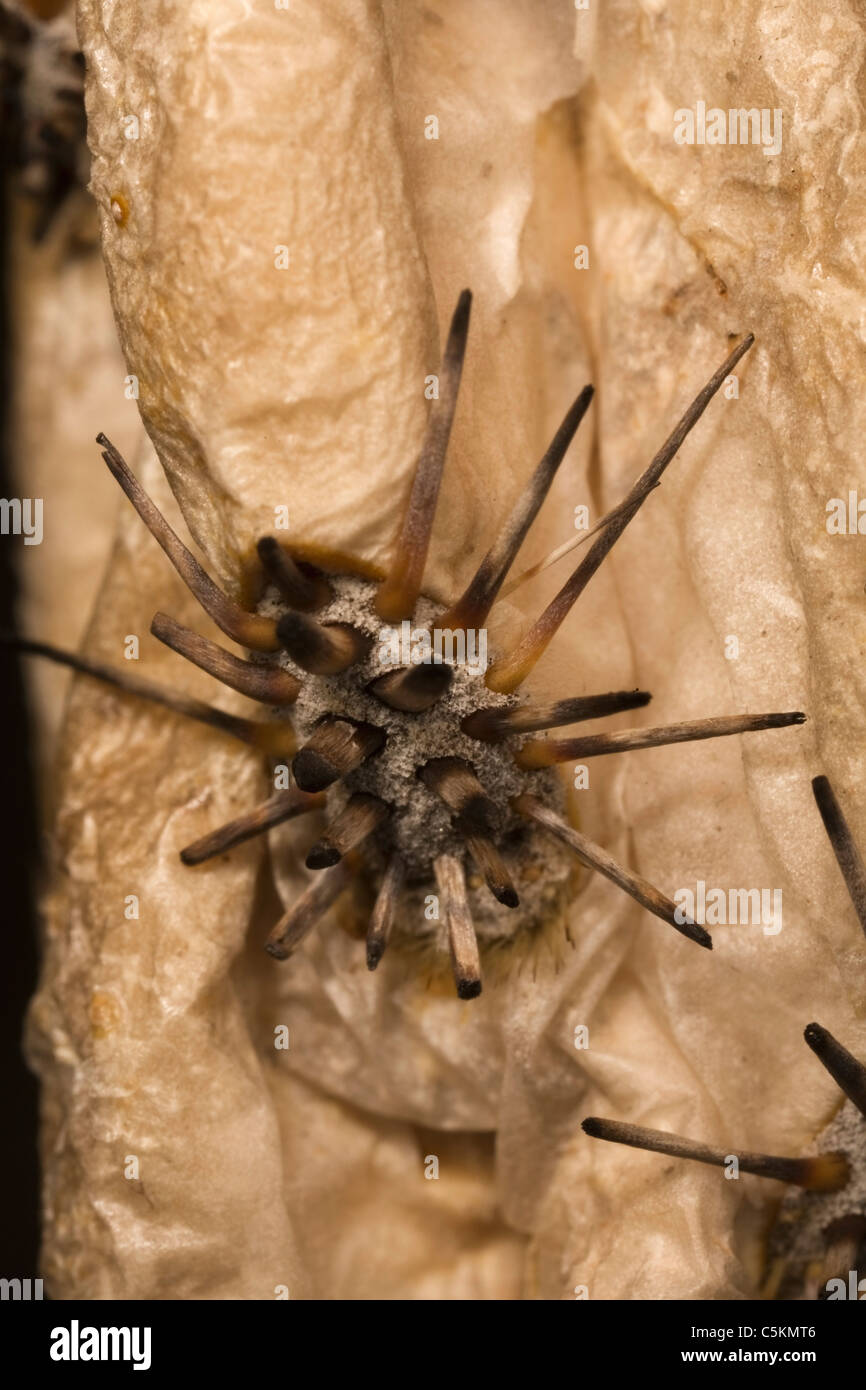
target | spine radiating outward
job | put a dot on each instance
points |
(282, 806)
(267, 684)
(259, 634)
(506, 675)
(545, 752)
(398, 594)
(465, 960)
(597, 858)
(843, 1066)
(300, 919)
(472, 608)
(276, 738)
(494, 725)
(824, 1173)
(489, 863)
(385, 911)
(844, 847)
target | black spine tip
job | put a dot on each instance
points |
(311, 772)
(322, 857)
(695, 932)
(290, 626)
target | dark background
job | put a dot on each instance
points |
(19, 853)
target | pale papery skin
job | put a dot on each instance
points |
(738, 544)
(265, 135)
(150, 1058)
(708, 1045)
(65, 380)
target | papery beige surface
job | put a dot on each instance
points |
(163, 1154)
(265, 208)
(69, 373)
(737, 545)
(263, 1169)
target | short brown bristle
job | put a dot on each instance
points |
(358, 819)
(308, 593)
(413, 688)
(335, 748)
(489, 863)
(300, 919)
(323, 649)
(454, 780)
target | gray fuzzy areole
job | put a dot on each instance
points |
(420, 824)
